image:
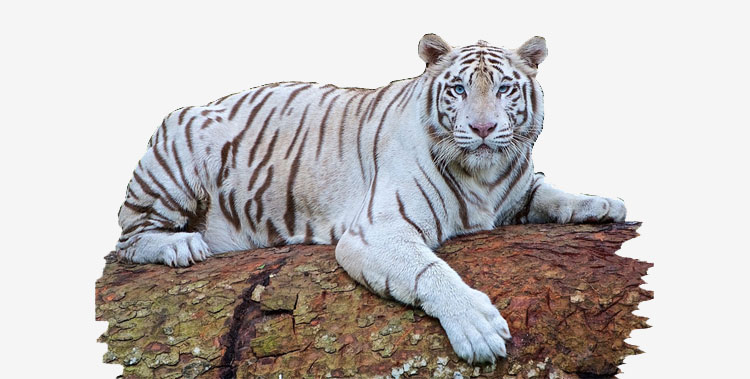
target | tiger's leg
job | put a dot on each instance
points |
(549, 204)
(395, 263)
(162, 209)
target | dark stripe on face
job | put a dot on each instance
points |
(513, 91)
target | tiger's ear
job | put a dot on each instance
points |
(533, 51)
(432, 47)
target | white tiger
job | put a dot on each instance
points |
(385, 174)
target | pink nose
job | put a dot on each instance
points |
(483, 129)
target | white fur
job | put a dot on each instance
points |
(390, 173)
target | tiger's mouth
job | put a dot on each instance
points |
(483, 150)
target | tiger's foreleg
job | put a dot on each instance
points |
(549, 204)
(395, 264)
(161, 208)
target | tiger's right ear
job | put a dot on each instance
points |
(431, 48)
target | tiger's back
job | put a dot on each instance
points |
(277, 164)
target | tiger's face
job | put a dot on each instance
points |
(481, 102)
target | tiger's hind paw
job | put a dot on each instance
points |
(185, 250)
(173, 249)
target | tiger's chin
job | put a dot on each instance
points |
(481, 158)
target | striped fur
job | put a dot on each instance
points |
(387, 174)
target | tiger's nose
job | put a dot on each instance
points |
(483, 129)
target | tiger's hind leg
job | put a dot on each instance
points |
(164, 210)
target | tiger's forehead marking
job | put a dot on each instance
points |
(486, 61)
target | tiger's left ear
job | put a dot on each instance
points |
(432, 47)
(533, 51)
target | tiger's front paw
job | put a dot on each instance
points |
(475, 328)
(596, 209)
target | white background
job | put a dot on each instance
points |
(644, 101)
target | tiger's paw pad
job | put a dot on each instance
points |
(478, 332)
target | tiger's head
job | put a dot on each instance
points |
(481, 103)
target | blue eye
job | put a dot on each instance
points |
(459, 89)
(503, 88)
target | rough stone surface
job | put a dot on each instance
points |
(292, 312)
